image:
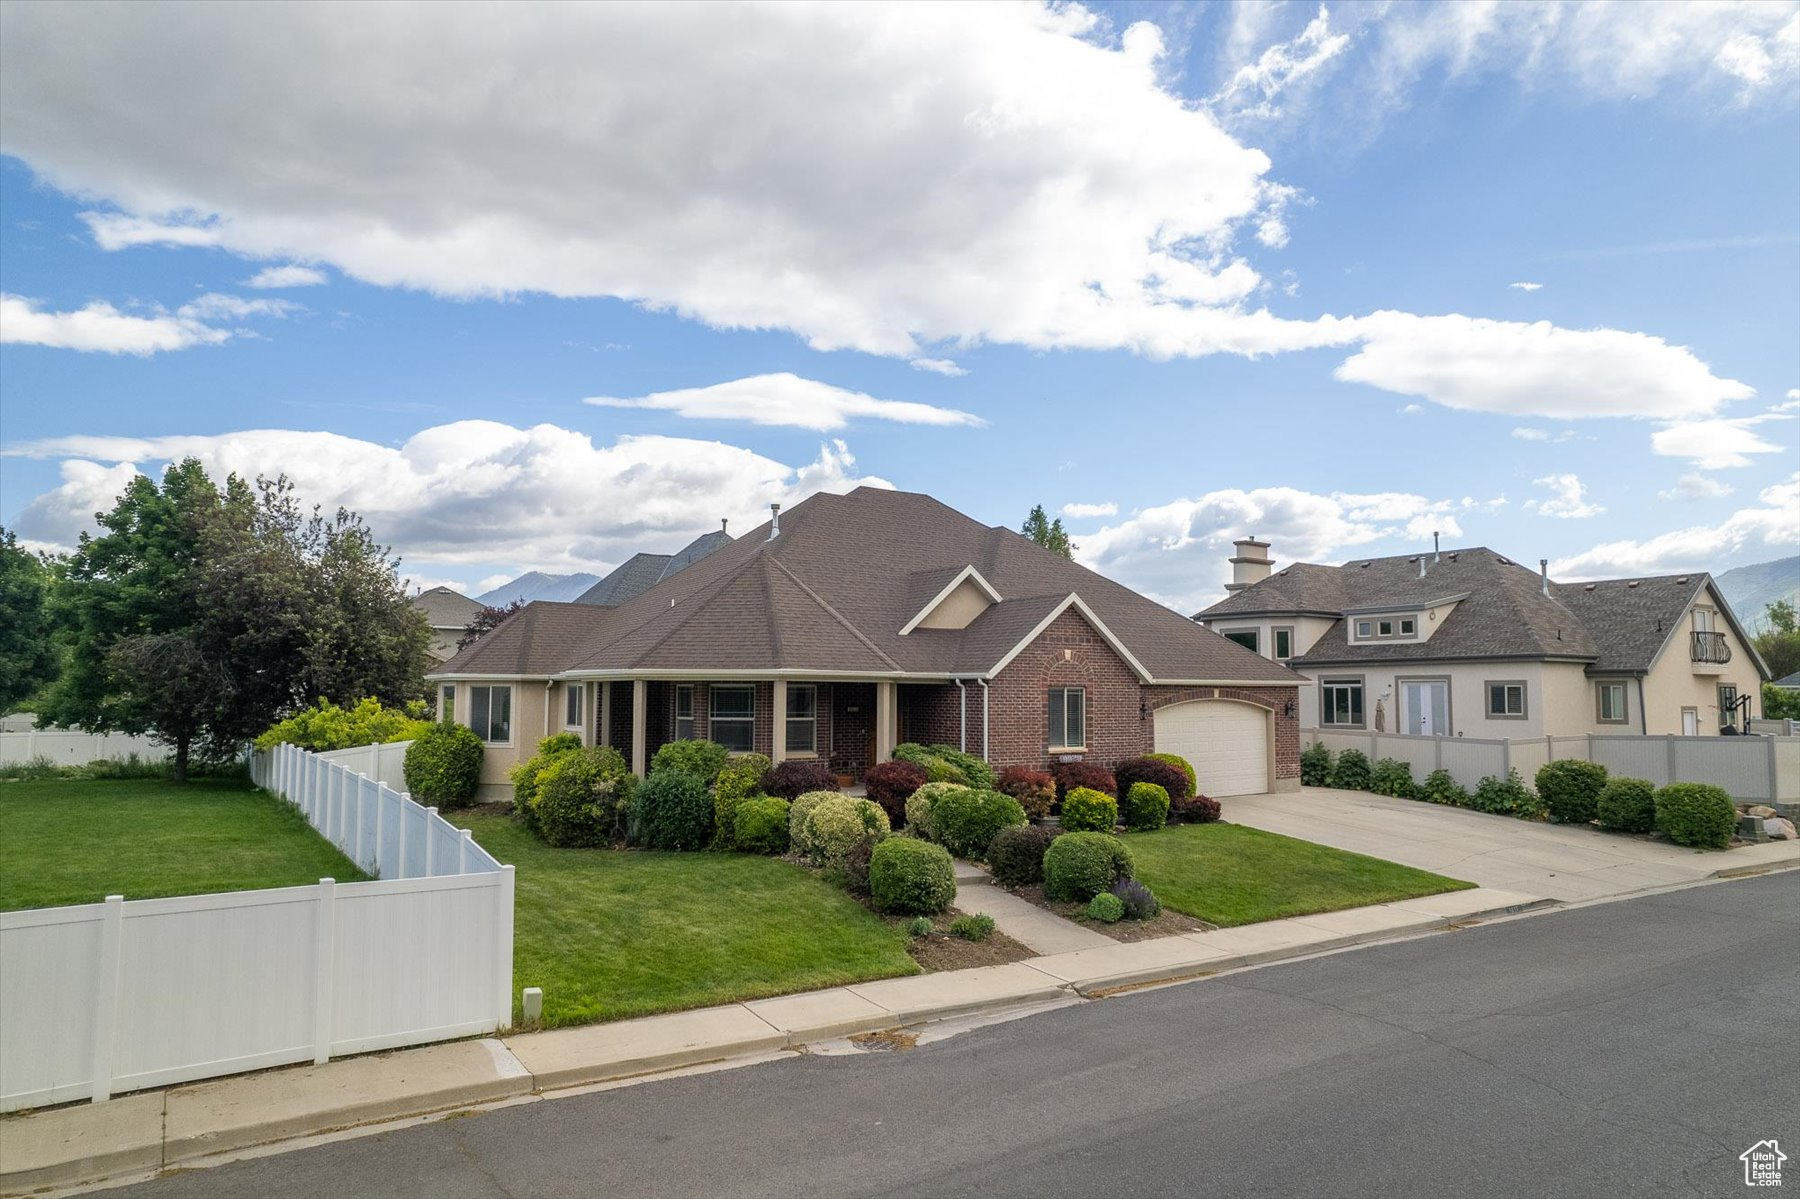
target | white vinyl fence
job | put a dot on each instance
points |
(1750, 769)
(72, 747)
(109, 997)
(384, 763)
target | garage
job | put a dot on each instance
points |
(1227, 743)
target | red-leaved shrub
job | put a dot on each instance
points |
(1195, 809)
(891, 784)
(1070, 775)
(797, 776)
(1034, 789)
(1149, 770)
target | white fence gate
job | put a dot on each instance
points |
(1750, 769)
(126, 994)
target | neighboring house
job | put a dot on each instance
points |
(1790, 682)
(856, 622)
(449, 613)
(1470, 643)
(640, 572)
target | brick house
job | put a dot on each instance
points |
(853, 623)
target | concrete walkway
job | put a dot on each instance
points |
(1026, 923)
(1557, 861)
(184, 1125)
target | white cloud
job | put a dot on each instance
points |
(286, 276)
(967, 174)
(1256, 87)
(1722, 443)
(467, 494)
(787, 399)
(1176, 552)
(939, 366)
(1089, 511)
(1567, 498)
(98, 327)
(1690, 488)
(1745, 535)
(1411, 410)
(1526, 286)
(1527, 433)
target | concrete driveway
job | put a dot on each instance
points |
(1553, 861)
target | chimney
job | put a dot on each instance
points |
(1434, 546)
(774, 521)
(1421, 566)
(1250, 565)
(1544, 574)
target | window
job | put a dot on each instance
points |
(733, 716)
(684, 712)
(490, 714)
(1284, 644)
(1341, 702)
(802, 726)
(1385, 628)
(1068, 718)
(1727, 703)
(447, 705)
(1244, 637)
(572, 704)
(1365, 629)
(1407, 626)
(1610, 700)
(1506, 701)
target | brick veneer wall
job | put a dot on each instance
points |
(929, 715)
(1276, 699)
(851, 732)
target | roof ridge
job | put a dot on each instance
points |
(691, 610)
(768, 587)
(835, 614)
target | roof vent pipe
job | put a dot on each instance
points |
(774, 521)
(725, 525)
(1434, 545)
(1544, 574)
(1421, 566)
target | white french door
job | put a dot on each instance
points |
(1425, 708)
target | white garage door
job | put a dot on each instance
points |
(1227, 743)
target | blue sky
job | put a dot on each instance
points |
(1204, 270)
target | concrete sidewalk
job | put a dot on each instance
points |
(155, 1130)
(1556, 861)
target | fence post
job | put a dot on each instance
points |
(400, 839)
(381, 807)
(106, 995)
(324, 951)
(503, 966)
(1769, 761)
(462, 859)
(357, 857)
(431, 820)
(1505, 760)
(1672, 776)
(375, 760)
(1437, 750)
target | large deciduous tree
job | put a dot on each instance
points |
(28, 660)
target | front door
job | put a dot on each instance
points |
(1425, 708)
(1690, 722)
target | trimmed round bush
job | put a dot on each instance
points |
(697, 757)
(580, 797)
(1070, 775)
(802, 807)
(1078, 866)
(1087, 810)
(760, 825)
(891, 784)
(443, 766)
(1351, 771)
(1187, 771)
(1106, 908)
(837, 825)
(1132, 771)
(1570, 789)
(937, 767)
(1016, 854)
(739, 779)
(1034, 789)
(1628, 805)
(1195, 809)
(911, 877)
(1146, 807)
(966, 820)
(1697, 814)
(672, 810)
(796, 776)
(979, 774)
(920, 804)
(1140, 901)
(525, 775)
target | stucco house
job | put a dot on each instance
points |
(448, 613)
(854, 622)
(1471, 643)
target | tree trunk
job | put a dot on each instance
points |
(181, 758)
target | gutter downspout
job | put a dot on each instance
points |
(984, 719)
(548, 688)
(1643, 716)
(962, 715)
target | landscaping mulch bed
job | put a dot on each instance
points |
(1167, 924)
(938, 950)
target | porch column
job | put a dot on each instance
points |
(603, 733)
(639, 702)
(590, 713)
(778, 730)
(887, 725)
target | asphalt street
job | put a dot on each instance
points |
(1632, 1049)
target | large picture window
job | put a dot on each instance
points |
(1068, 718)
(802, 718)
(1244, 637)
(684, 712)
(732, 716)
(1341, 702)
(490, 714)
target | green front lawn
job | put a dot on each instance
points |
(611, 933)
(1227, 874)
(80, 840)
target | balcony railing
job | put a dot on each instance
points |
(1709, 647)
